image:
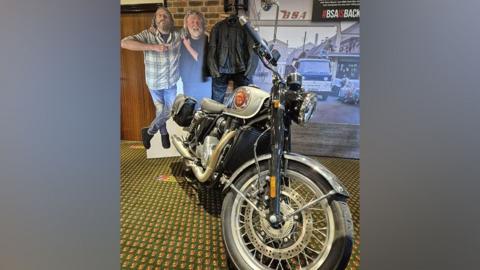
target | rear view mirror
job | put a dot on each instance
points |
(267, 4)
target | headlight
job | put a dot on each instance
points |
(294, 81)
(301, 106)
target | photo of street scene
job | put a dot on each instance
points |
(327, 55)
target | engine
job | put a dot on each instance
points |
(205, 150)
(207, 131)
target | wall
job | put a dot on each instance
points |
(213, 10)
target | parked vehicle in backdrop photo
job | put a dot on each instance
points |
(316, 74)
(348, 90)
(281, 210)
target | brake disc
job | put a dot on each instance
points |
(264, 237)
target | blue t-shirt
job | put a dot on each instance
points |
(192, 71)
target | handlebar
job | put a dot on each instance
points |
(263, 48)
(268, 59)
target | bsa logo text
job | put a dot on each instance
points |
(340, 13)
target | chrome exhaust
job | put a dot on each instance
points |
(184, 152)
(201, 174)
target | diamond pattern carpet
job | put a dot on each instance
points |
(166, 224)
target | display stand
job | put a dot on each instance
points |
(157, 151)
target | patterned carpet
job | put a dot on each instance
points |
(166, 225)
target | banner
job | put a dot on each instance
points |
(335, 10)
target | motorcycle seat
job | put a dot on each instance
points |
(212, 106)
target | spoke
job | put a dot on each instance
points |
(320, 231)
(305, 257)
(320, 241)
(320, 221)
(297, 188)
(295, 236)
(308, 257)
(271, 241)
(280, 243)
(289, 266)
(314, 251)
(269, 265)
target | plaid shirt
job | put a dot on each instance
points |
(161, 68)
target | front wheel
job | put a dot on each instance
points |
(317, 238)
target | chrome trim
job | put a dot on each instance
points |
(309, 102)
(331, 178)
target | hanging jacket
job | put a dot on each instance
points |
(231, 49)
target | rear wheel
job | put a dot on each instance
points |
(319, 237)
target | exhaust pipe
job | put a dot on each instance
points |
(177, 142)
(200, 174)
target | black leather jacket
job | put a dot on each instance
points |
(231, 49)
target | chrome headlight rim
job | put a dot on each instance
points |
(307, 108)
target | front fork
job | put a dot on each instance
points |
(279, 143)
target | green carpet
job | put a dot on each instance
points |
(166, 225)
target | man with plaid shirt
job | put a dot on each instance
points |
(161, 48)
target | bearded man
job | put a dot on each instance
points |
(161, 49)
(193, 69)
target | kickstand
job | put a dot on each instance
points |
(196, 186)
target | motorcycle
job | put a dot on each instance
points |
(281, 210)
(348, 92)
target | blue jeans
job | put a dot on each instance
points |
(220, 84)
(163, 100)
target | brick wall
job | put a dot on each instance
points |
(211, 9)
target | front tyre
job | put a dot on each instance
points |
(317, 238)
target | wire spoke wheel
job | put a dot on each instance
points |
(318, 237)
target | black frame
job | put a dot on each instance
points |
(139, 8)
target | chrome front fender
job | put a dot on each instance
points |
(331, 178)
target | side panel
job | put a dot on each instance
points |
(242, 149)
